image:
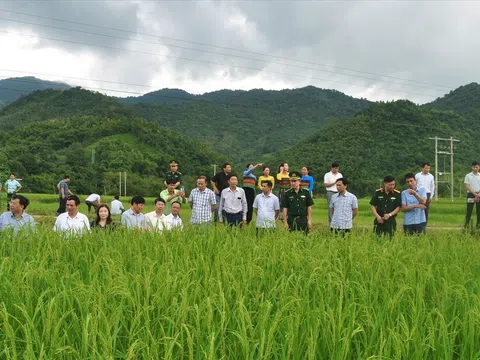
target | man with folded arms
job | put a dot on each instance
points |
(413, 205)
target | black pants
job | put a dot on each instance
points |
(250, 195)
(233, 219)
(415, 228)
(297, 223)
(62, 205)
(427, 206)
(340, 232)
(387, 228)
(470, 212)
(91, 204)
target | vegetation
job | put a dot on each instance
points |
(13, 88)
(463, 100)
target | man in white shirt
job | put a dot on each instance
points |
(426, 180)
(267, 207)
(233, 203)
(116, 206)
(472, 183)
(72, 222)
(330, 181)
(156, 218)
(173, 220)
(93, 200)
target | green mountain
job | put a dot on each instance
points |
(13, 88)
(388, 138)
(93, 150)
(163, 96)
(463, 100)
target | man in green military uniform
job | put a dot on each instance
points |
(297, 206)
(386, 203)
(174, 175)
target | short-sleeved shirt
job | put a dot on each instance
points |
(116, 207)
(12, 185)
(426, 181)
(343, 206)
(220, 180)
(264, 178)
(133, 221)
(93, 198)
(62, 184)
(175, 176)
(331, 177)
(473, 180)
(297, 203)
(266, 207)
(8, 220)
(72, 226)
(168, 204)
(384, 202)
(202, 202)
(417, 215)
(155, 222)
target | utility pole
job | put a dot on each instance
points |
(93, 156)
(449, 152)
(214, 169)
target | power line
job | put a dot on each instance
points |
(217, 53)
(225, 48)
(210, 62)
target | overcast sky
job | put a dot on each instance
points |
(380, 50)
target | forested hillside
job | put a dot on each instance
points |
(463, 100)
(13, 88)
(388, 138)
(41, 153)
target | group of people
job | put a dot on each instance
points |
(234, 205)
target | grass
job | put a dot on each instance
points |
(219, 294)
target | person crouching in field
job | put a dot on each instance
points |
(104, 219)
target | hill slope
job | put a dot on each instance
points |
(463, 100)
(14, 88)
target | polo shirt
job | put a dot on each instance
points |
(12, 185)
(266, 207)
(155, 222)
(331, 177)
(415, 216)
(131, 220)
(473, 180)
(77, 225)
(9, 221)
(220, 180)
(63, 184)
(343, 206)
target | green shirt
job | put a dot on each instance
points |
(386, 203)
(168, 204)
(177, 176)
(297, 203)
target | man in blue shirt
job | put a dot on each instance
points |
(12, 186)
(413, 205)
(17, 218)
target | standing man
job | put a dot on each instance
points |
(202, 202)
(386, 203)
(16, 218)
(156, 218)
(343, 208)
(413, 205)
(173, 175)
(248, 184)
(116, 206)
(426, 180)
(220, 182)
(233, 203)
(330, 183)
(92, 201)
(133, 217)
(173, 220)
(267, 207)
(63, 192)
(12, 186)
(472, 182)
(72, 222)
(297, 206)
(170, 195)
(266, 176)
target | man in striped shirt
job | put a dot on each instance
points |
(343, 208)
(203, 203)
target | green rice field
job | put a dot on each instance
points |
(217, 293)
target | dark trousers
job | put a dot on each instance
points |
(91, 204)
(250, 195)
(9, 198)
(470, 206)
(415, 229)
(62, 205)
(297, 223)
(387, 228)
(427, 204)
(233, 219)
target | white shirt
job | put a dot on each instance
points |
(173, 222)
(331, 177)
(233, 202)
(116, 207)
(93, 198)
(426, 181)
(156, 222)
(76, 225)
(473, 180)
(266, 206)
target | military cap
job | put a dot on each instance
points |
(294, 175)
(173, 163)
